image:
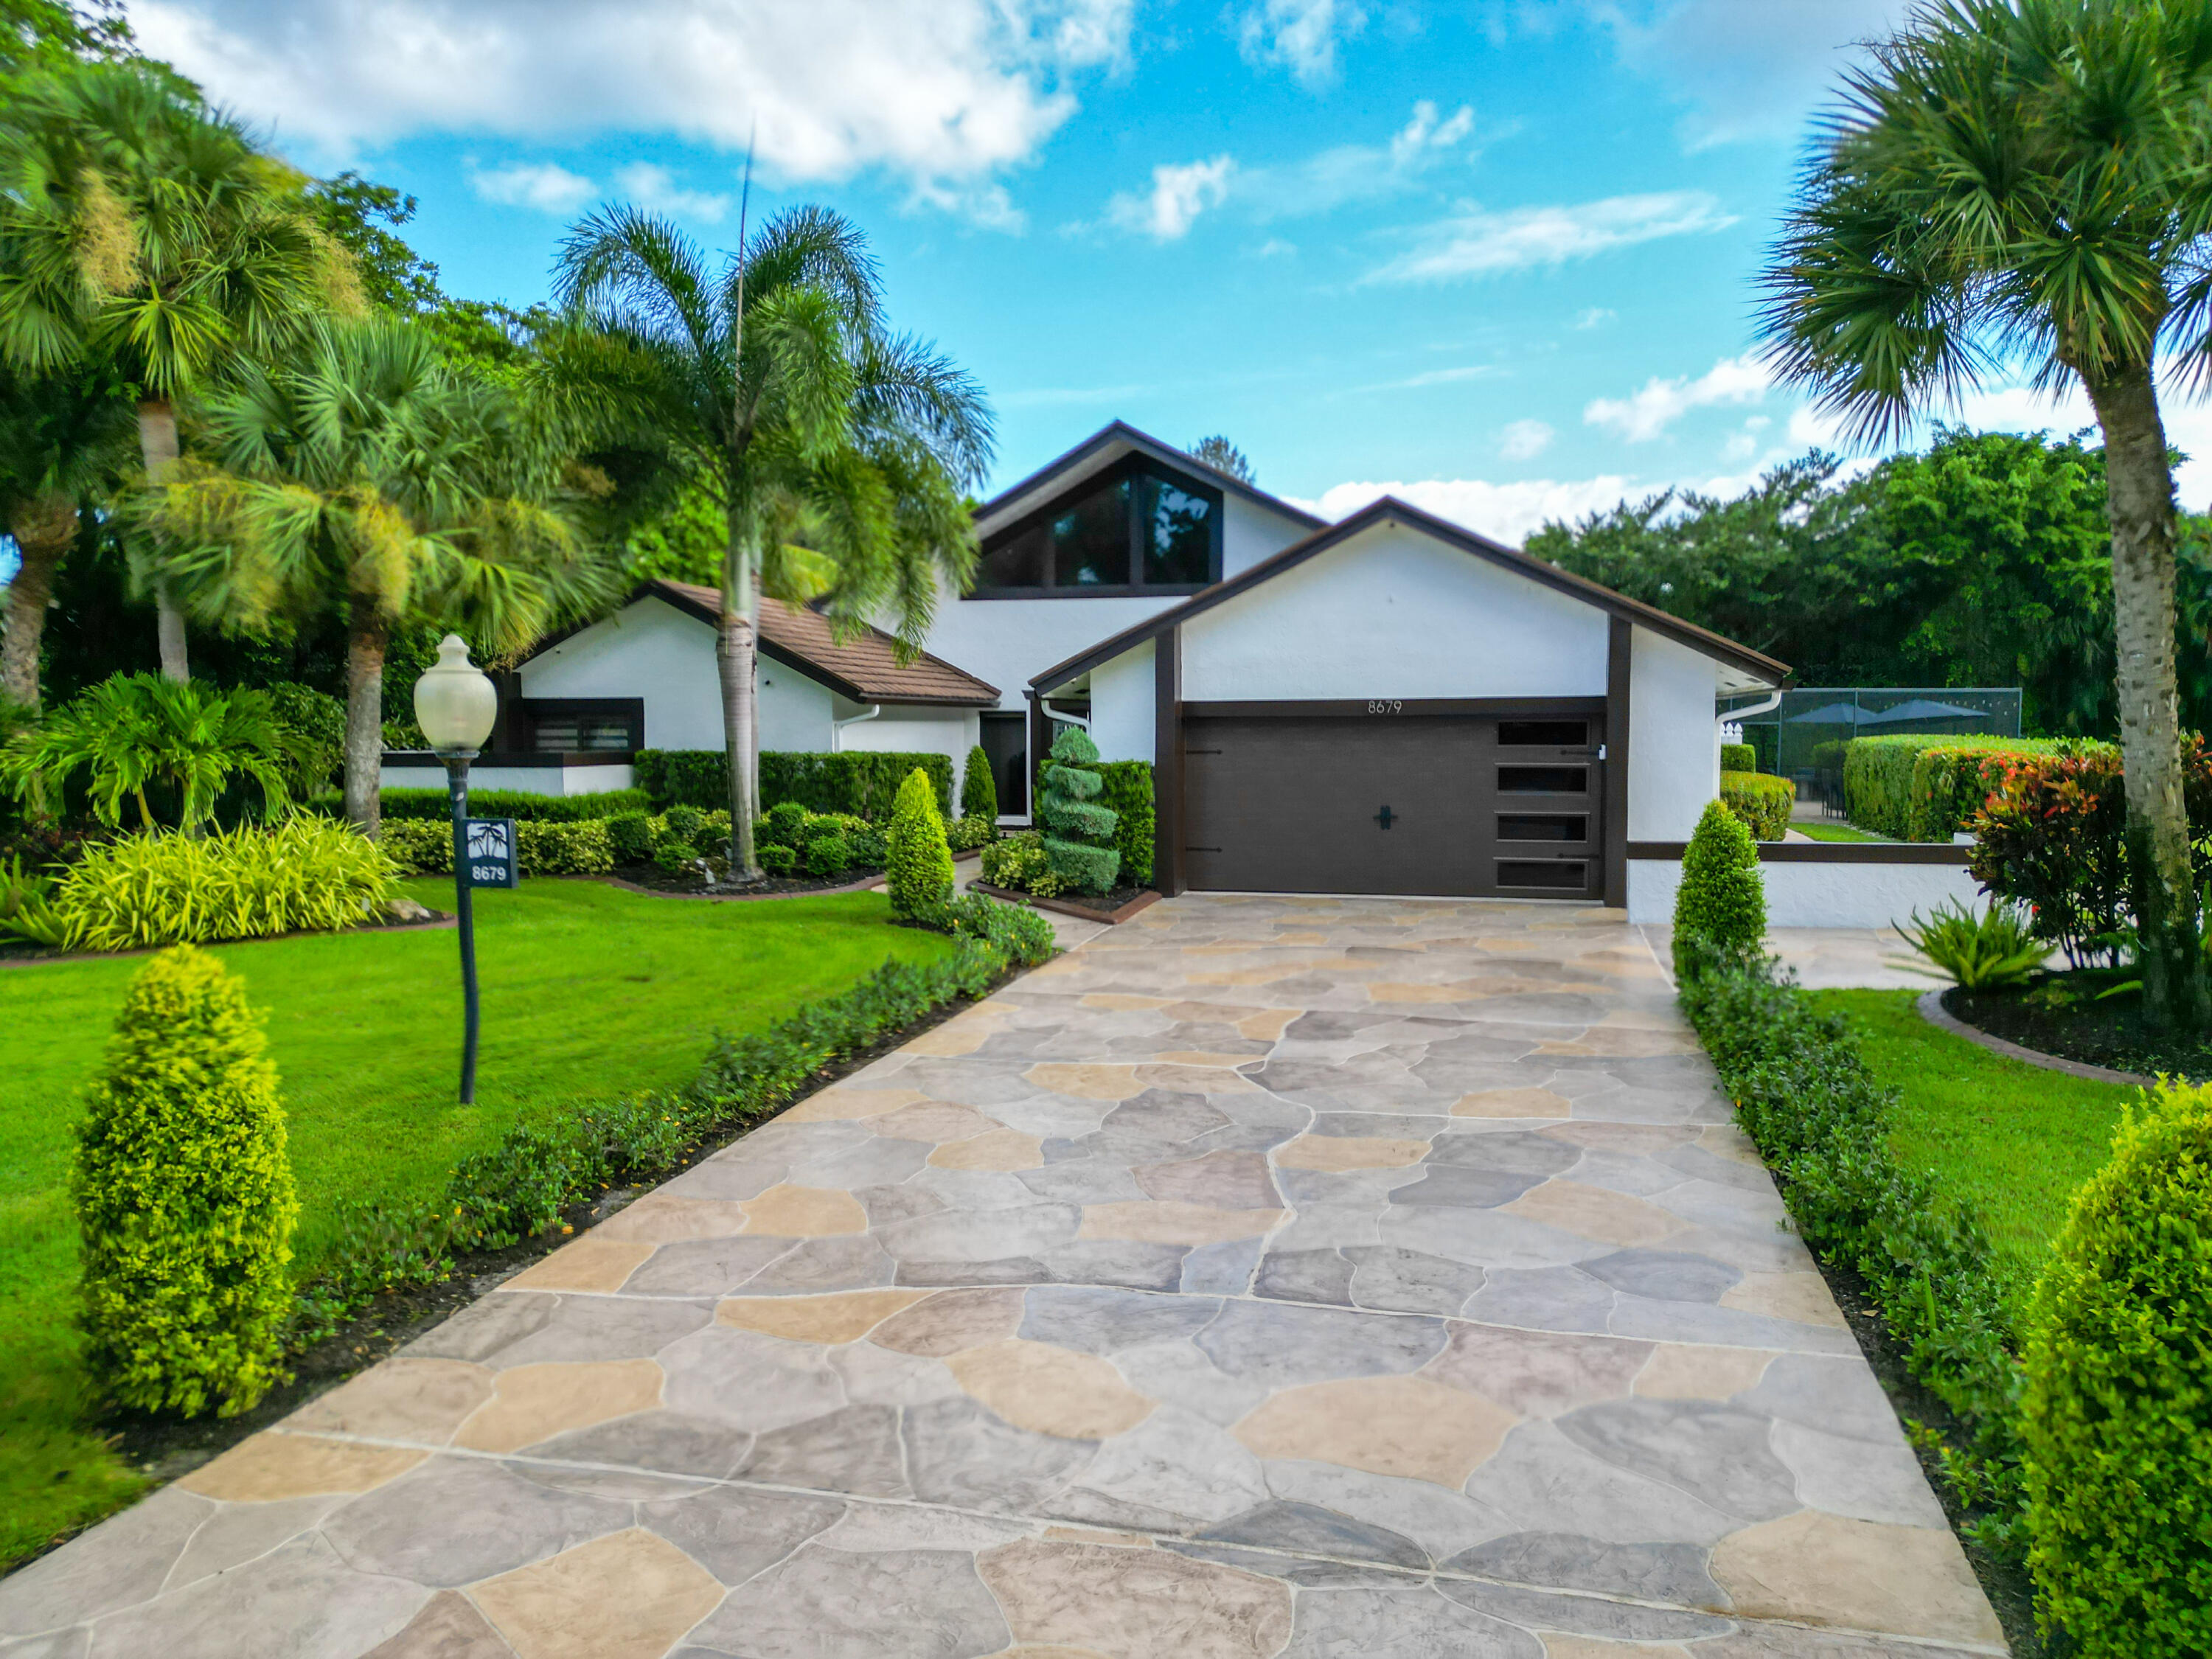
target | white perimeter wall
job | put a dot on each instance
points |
(1673, 742)
(530, 780)
(1394, 613)
(1817, 895)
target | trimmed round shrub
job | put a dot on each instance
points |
(686, 824)
(1763, 803)
(630, 835)
(775, 858)
(1721, 904)
(673, 853)
(1739, 758)
(827, 855)
(786, 823)
(183, 1193)
(865, 845)
(916, 860)
(979, 790)
(2118, 1419)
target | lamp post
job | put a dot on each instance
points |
(455, 704)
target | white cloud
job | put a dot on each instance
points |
(1180, 192)
(1299, 36)
(1274, 248)
(939, 93)
(655, 188)
(1426, 132)
(1479, 244)
(1523, 441)
(1594, 316)
(543, 186)
(1648, 412)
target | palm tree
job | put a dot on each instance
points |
(141, 229)
(61, 441)
(838, 451)
(365, 473)
(2028, 183)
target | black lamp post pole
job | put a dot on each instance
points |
(456, 788)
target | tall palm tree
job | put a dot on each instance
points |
(139, 228)
(2027, 183)
(62, 440)
(833, 445)
(364, 473)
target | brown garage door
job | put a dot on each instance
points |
(1506, 804)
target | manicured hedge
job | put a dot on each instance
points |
(1739, 758)
(1763, 803)
(1925, 786)
(518, 804)
(864, 783)
(1128, 791)
(582, 848)
(520, 1187)
(1804, 1095)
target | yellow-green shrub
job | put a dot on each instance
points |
(2118, 1415)
(1739, 758)
(306, 874)
(917, 863)
(1925, 786)
(184, 1193)
(1762, 802)
(585, 846)
(1020, 864)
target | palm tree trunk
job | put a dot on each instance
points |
(44, 527)
(735, 650)
(2139, 495)
(157, 449)
(366, 641)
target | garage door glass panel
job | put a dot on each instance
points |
(1542, 734)
(1543, 826)
(1550, 874)
(1543, 780)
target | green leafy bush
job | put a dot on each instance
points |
(519, 804)
(674, 854)
(630, 837)
(868, 846)
(979, 790)
(1739, 758)
(27, 904)
(827, 855)
(1762, 803)
(585, 846)
(1979, 952)
(787, 824)
(1926, 787)
(776, 859)
(1019, 932)
(1802, 1092)
(1020, 864)
(685, 822)
(1129, 792)
(1721, 904)
(183, 1193)
(317, 722)
(1078, 828)
(306, 874)
(863, 782)
(2118, 1411)
(916, 860)
(968, 834)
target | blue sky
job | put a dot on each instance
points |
(1498, 257)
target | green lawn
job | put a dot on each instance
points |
(2011, 1140)
(1836, 832)
(588, 991)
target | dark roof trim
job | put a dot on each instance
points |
(682, 598)
(1144, 443)
(1389, 508)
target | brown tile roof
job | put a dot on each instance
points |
(866, 668)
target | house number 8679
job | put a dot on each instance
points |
(1385, 705)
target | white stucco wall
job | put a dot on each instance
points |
(1121, 706)
(1673, 743)
(531, 779)
(1250, 532)
(1393, 613)
(913, 732)
(1817, 895)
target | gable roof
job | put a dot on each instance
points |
(1763, 669)
(1108, 444)
(866, 668)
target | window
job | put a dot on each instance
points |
(1142, 529)
(580, 726)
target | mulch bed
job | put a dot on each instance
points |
(652, 878)
(1117, 905)
(2110, 1033)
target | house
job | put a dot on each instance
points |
(1388, 704)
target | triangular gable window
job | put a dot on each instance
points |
(1142, 528)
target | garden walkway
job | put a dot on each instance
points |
(1329, 1278)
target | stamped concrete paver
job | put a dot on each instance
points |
(1266, 1277)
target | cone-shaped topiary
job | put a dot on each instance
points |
(184, 1192)
(1721, 906)
(1079, 832)
(917, 863)
(2118, 1412)
(979, 790)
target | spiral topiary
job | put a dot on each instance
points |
(184, 1193)
(917, 862)
(1079, 832)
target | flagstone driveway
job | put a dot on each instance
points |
(1358, 1278)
